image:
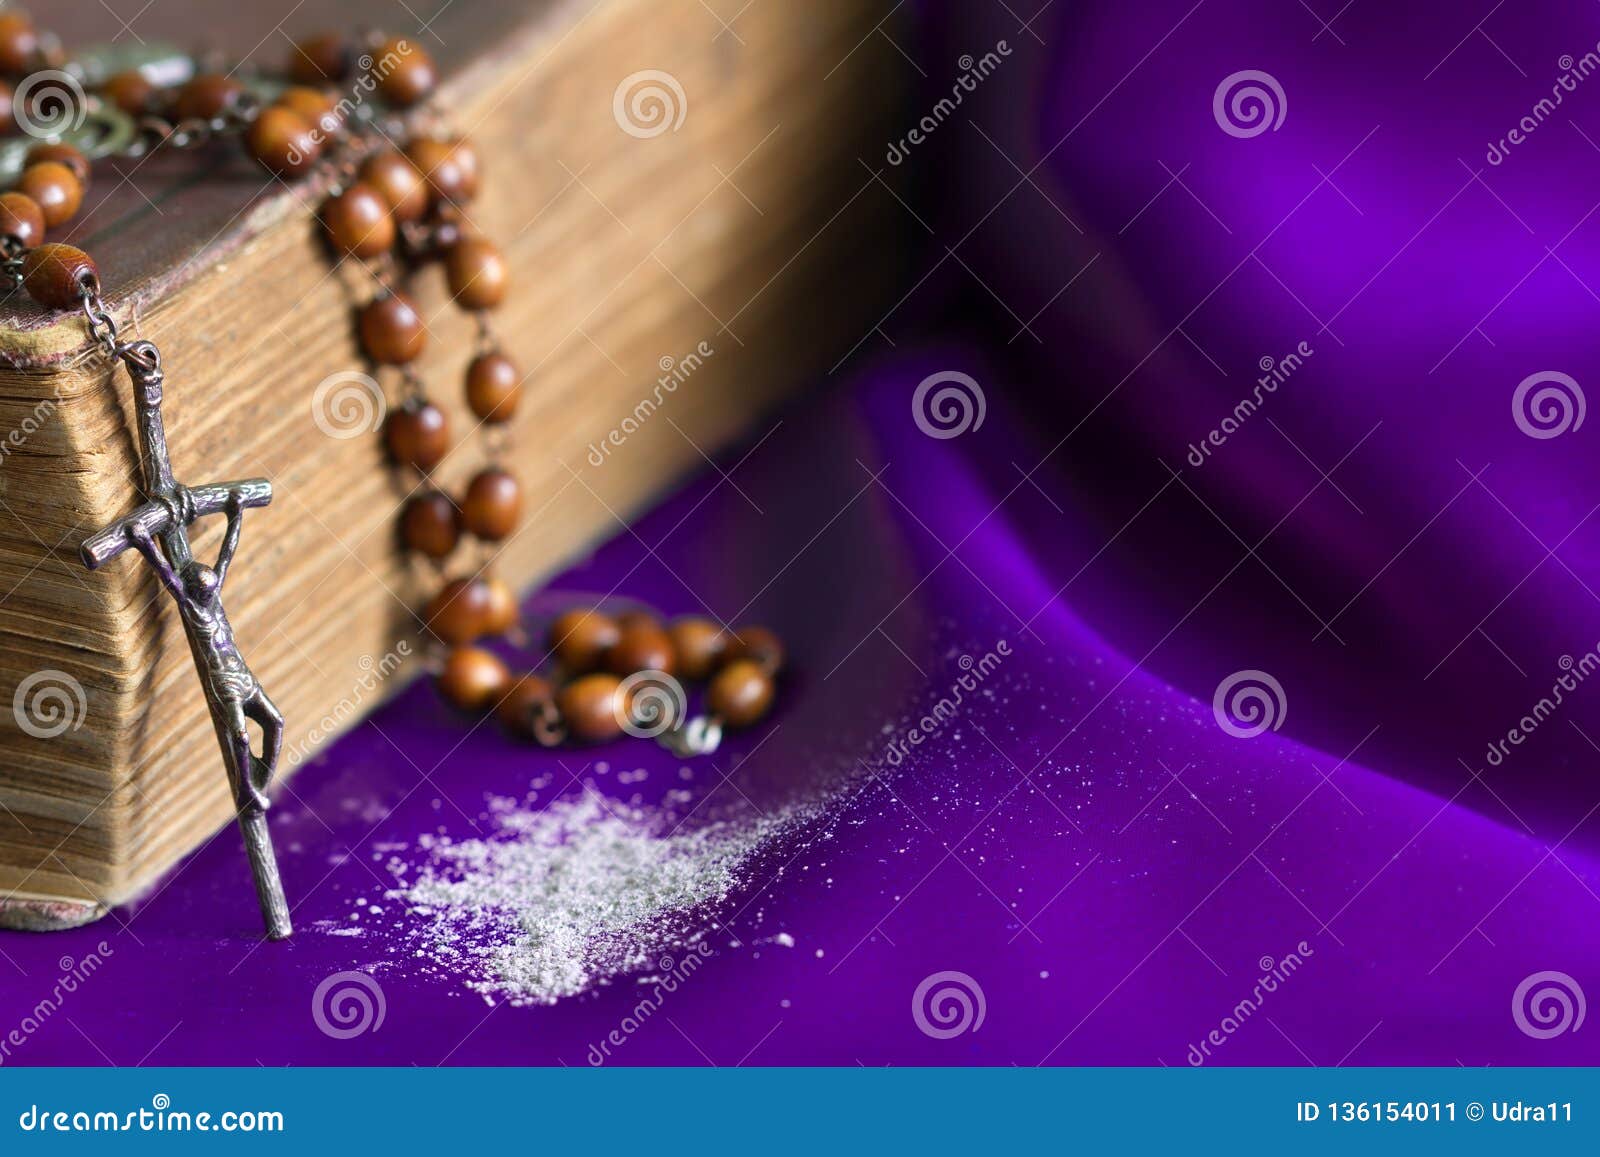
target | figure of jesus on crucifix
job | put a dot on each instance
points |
(198, 591)
(158, 530)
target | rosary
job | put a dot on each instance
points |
(353, 109)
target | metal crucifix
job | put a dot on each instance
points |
(158, 530)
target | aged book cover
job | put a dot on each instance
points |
(681, 260)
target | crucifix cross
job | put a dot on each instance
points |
(158, 530)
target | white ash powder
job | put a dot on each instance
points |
(576, 894)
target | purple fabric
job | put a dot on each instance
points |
(1083, 839)
(1037, 842)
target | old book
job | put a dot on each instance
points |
(728, 251)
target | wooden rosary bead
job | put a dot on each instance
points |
(21, 219)
(642, 645)
(760, 646)
(474, 679)
(494, 386)
(392, 332)
(740, 694)
(397, 181)
(699, 645)
(405, 74)
(54, 275)
(492, 504)
(465, 158)
(500, 612)
(437, 234)
(207, 97)
(456, 613)
(430, 523)
(449, 167)
(358, 221)
(418, 435)
(19, 42)
(283, 141)
(590, 707)
(637, 617)
(478, 274)
(53, 187)
(529, 711)
(315, 106)
(319, 60)
(130, 90)
(579, 639)
(63, 154)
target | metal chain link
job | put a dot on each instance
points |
(142, 355)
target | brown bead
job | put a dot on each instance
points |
(130, 91)
(760, 646)
(529, 711)
(474, 679)
(465, 158)
(397, 181)
(446, 230)
(358, 221)
(207, 97)
(492, 504)
(580, 638)
(55, 275)
(315, 106)
(478, 274)
(642, 645)
(8, 111)
(283, 141)
(53, 187)
(392, 332)
(449, 166)
(500, 609)
(319, 60)
(740, 694)
(699, 646)
(494, 385)
(456, 613)
(63, 154)
(591, 707)
(22, 219)
(430, 523)
(405, 74)
(418, 435)
(19, 42)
